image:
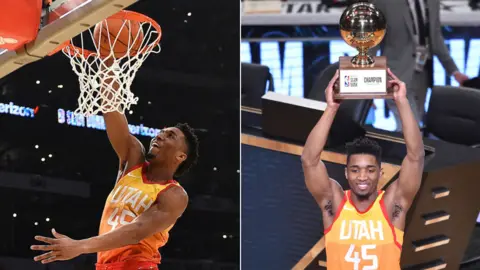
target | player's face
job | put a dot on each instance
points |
(363, 173)
(168, 144)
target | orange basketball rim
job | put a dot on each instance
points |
(125, 15)
(119, 60)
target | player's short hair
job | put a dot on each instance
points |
(364, 145)
(191, 140)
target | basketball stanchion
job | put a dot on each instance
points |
(121, 43)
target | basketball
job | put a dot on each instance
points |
(125, 32)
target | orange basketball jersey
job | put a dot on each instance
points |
(363, 240)
(131, 196)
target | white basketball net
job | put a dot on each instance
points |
(99, 81)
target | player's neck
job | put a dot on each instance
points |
(362, 203)
(159, 173)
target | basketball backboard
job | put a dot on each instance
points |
(66, 19)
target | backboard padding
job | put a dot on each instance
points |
(67, 20)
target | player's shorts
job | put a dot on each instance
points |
(127, 265)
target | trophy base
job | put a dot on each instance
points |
(362, 82)
(388, 95)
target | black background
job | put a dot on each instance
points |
(195, 79)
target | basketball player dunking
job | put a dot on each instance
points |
(363, 226)
(144, 204)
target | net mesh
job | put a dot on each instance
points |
(105, 79)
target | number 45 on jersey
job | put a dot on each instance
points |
(357, 257)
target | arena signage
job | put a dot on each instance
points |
(323, 12)
(97, 122)
(288, 71)
(13, 109)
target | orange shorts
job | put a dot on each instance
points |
(127, 265)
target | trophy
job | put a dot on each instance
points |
(362, 26)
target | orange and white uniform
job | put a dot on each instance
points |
(363, 240)
(132, 195)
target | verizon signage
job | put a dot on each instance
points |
(259, 12)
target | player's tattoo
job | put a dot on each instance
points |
(329, 208)
(397, 209)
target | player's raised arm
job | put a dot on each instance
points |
(325, 191)
(119, 135)
(411, 171)
(127, 147)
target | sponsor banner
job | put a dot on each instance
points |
(74, 119)
(17, 110)
(97, 122)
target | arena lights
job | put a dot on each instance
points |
(215, 168)
(36, 146)
(43, 159)
(47, 219)
(189, 14)
(36, 223)
(14, 215)
(37, 82)
(97, 122)
(50, 155)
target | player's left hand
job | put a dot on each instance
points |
(60, 248)
(399, 87)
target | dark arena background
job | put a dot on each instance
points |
(56, 171)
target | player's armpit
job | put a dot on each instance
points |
(328, 208)
(331, 207)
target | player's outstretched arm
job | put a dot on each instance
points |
(129, 150)
(169, 206)
(326, 192)
(408, 183)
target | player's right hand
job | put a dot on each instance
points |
(331, 101)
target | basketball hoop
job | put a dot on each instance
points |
(114, 60)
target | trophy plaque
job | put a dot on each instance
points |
(363, 27)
